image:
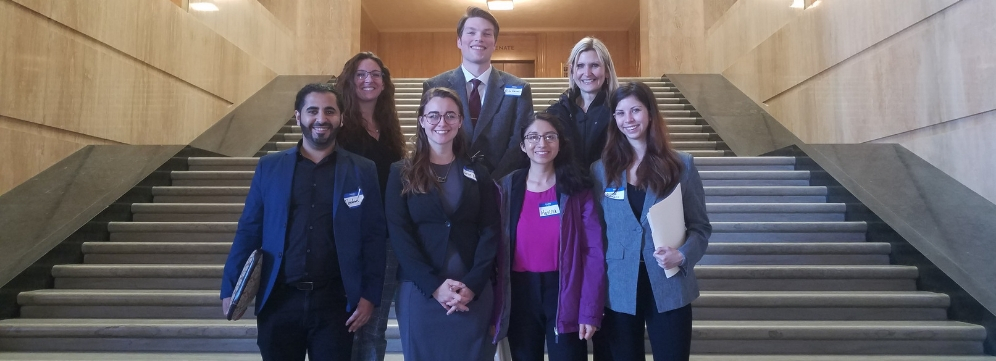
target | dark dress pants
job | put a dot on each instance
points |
(533, 318)
(622, 336)
(295, 322)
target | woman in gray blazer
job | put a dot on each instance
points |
(639, 169)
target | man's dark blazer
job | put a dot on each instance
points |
(421, 232)
(499, 126)
(360, 233)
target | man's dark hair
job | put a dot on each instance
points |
(316, 88)
(476, 12)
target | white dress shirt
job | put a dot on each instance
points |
(484, 78)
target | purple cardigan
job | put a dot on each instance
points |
(582, 255)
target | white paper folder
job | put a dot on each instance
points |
(667, 222)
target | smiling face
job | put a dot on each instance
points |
(632, 118)
(588, 72)
(319, 119)
(539, 150)
(369, 80)
(477, 43)
(443, 132)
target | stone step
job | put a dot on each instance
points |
(713, 337)
(193, 253)
(234, 356)
(679, 145)
(725, 194)
(757, 253)
(735, 163)
(709, 178)
(773, 232)
(796, 253)
(548, 92)
(761, 306)
(540, 101)
(711, 278)
(776, 212)
(409, 130)
(410, 114)
(718, 212)
(806, 278)
(721, 231)
(695, 153)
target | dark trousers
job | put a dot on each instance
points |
(294, 322)
(621, 337)
(533, 320)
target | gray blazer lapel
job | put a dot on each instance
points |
(492, 100)
(648, 202)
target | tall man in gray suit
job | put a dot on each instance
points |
(496, 104)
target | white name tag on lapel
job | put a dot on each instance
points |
(469, 173)
(549, 209)
(354, 199)
(615, 193)
(513, 90)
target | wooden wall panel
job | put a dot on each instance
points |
(713, 10)
(820, 38)
(27, 149)
(936, 71)
(674, 37)
(156, 33)
(742, 27)
(60, 78)
(254, 29)
(369, 34)
(961, 148)
(327, 34)
(283, 10)
(422, 55)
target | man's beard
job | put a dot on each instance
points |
(322, 143)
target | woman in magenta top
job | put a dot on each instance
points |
(557, 278)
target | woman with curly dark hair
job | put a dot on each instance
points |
(371, 129)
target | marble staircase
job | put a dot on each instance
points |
(786, 277)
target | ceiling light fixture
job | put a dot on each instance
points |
(804, 4)
(494, 5)
(203, 6)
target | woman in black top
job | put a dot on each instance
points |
(371, 129)
(583, 107)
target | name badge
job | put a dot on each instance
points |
(469, 173)
(513, 90)
(354, 199)
(615, 193)
(549, 209)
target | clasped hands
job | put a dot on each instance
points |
(668, 258)
(453, 296)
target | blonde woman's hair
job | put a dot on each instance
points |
(591, 43)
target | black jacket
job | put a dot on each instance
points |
(588, 130)
(420, 231)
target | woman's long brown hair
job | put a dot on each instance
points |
(385, 112)
(661, 168)
(416, 175)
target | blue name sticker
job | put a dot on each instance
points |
(354, 199)
(513, 90)
(469, 173)
(615, 193)
(549, 209)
